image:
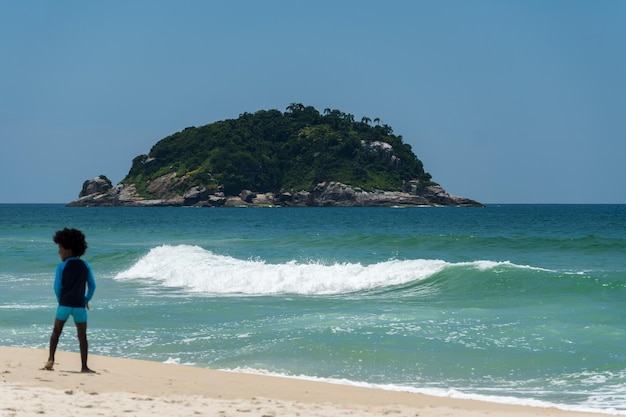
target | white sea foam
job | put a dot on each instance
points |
(25, 306)
(177, 361)
(196, 269)
(448, 393)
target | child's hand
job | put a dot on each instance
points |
(87, 306)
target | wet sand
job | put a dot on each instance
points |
(141, 388)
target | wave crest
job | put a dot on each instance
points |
(199, 270)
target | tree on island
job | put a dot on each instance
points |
(273, 151)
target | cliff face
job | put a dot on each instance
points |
(326, 194)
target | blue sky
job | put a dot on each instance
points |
(503, 101)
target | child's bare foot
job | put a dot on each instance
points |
(49, 365)
(86, 370)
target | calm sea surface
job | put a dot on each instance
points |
(512, 303)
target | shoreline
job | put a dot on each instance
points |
(144, 388)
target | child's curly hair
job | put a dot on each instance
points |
(72, 239)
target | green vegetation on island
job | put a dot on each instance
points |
(273, 151)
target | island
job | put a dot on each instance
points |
(296, 158)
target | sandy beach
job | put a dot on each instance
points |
(142, 388)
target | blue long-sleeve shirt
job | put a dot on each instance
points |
(74, 283)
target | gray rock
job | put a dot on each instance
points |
(326, 194)
(97, 185)
(247, 196)
(195, 195)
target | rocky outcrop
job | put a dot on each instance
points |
(326, 194)
(97, 185)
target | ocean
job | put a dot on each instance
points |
(519, 304)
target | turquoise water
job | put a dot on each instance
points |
(512, 303)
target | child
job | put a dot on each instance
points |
(74, 286)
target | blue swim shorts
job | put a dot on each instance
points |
(79, 314)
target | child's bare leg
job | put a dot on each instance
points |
(54, 341)
(81, 330)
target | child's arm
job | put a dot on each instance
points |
(58, 281)
(91, 285)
